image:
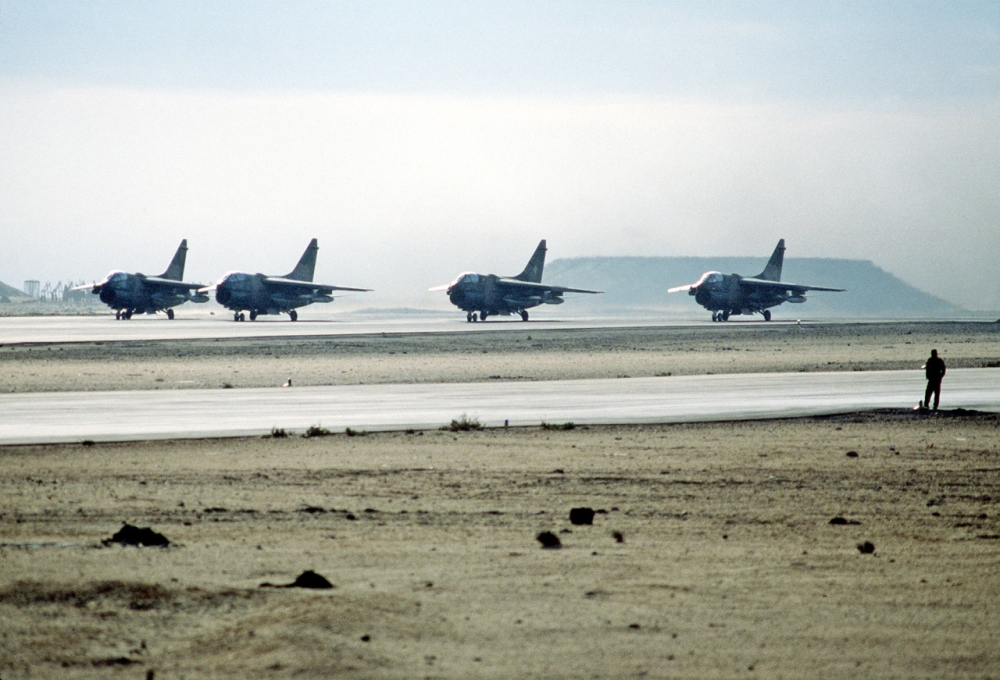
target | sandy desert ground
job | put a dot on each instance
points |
(511, 355)
(728, 564)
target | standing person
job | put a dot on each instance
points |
(935, 372)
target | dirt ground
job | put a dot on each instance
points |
(728, 564)
(513, 355)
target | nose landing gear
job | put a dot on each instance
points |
(293, 315)
(170, 314)
(524, 315)
(767, 314)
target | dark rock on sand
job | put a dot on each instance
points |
(137, 536)
(580, 516)
(307, 579)
(549, 540)
(843, 521)
(866, 548)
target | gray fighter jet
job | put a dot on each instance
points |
(262, 294)
(731, 294)
(131, 293)
(492, 295)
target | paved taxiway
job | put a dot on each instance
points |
(126, 415)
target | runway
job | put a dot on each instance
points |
(135, 415)
(318, 322)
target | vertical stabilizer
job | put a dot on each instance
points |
(533, 272)
(307, 264)
(772, 272)
(175, 272)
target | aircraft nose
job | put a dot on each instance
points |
(223, 293)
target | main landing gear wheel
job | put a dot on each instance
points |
(118, 315)
(170, 314)
(468, 317)
(238, 316)
(482, 315)
(767, 314)
(293, 315)
(725, 315)
(253, 316)
(524, 315)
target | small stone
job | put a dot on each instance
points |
(549, 540)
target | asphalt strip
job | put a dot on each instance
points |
(52, 417)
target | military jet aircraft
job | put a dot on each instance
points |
(262, 294)
(131, 293)
(731, 294)
(492, 295)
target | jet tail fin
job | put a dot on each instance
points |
(772, 272)
(307, 264)
(175, 271)
(533, 272)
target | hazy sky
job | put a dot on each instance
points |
(420, 139)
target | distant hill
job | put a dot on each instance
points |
(9, 291)
(640, 283)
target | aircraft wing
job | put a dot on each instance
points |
(780, 285)
(307, 286)
(170, 283)
(514, 284)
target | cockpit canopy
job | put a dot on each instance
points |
(116, 277)
(234, 277)
(465, 277)
(710, 277)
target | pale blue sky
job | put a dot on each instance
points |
(419, 139)
(790, 50)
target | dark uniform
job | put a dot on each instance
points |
(935, 372)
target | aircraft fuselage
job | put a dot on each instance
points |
(133, 293)
(490, 296)
(240, 291)
(730, 295)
